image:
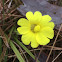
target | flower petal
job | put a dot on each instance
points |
(23, 22)
(26, 38)
(29, 15)
(29, 37)
(47, 24)
(42, 40)
(48, 32)
(37, 13)
(34, 44)
(46, 18)
(23, 30)
(50, 24)
(36, 18)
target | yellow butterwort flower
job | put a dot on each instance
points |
(36, 29)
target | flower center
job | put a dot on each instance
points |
(35, 28)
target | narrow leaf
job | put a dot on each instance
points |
(16, 52)
(0, 46)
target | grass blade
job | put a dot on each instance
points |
(0, 46)
(16, 52)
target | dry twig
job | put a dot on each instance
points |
(57, 56)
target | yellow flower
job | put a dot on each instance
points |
(36, 29)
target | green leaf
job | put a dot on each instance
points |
(16, 52)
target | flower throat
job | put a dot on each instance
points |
(35, 28)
